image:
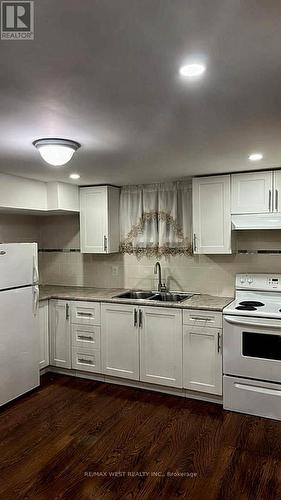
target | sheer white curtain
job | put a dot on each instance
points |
(156, 219)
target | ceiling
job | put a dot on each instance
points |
(105, 73)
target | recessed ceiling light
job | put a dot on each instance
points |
(192, 70)
(255, 156)
(74, 176)
(56, 152)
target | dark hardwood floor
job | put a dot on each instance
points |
(80, 439)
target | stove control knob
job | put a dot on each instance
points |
(250, 280)
(242, 280)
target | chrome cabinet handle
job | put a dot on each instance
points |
(200, 318)
(194, 242)
(67, 311)
(105, 243)
(85, 361)
(276, 199)
(87, 315)
(219, 341)
(85, 337)
(135, 317)
(269, 200)
(140, 318)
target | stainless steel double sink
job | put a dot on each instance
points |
(157, 296)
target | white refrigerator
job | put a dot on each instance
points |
(19, 332)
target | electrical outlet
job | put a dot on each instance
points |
(115, 270)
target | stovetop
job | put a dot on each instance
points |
(264, 302)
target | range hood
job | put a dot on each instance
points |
(256, 221)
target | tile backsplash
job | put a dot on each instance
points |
(208, 274)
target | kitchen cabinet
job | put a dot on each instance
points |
(142, 343)
(252, 192)
(86, 336)
(202, 352)
(60, 337)
(120, 340)
(43, 334)
(99, 219)
(161, 346)
(211, 215)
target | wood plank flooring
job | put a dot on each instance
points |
(79, 439)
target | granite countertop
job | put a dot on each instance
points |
(202, 301)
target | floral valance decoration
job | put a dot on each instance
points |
(156, 219)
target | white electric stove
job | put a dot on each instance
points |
(252, 346)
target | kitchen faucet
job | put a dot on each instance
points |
(161, 286)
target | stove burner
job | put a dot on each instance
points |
(251, 303)
(246, 308)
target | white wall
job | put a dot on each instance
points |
(19, 229)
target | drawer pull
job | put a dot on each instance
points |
(201, 318)
(261, 390)
(85, 337)
(85, 361)
(86, 315)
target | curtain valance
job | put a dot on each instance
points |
(156, 219)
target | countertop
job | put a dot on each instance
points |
(202, 301)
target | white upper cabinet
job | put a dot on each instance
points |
(211, 215)
(161, 346)
(252, 193)
(99, 219)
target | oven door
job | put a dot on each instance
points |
(252, 348)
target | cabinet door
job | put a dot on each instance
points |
(44, 334)
(277, 191)
(202, 359)
(60, 339)
(93, 219)
(251, 193)
(211, 215)
(161, 346)
(99, 219)
(120, 341)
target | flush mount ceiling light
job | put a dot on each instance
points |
(193, 70)
(56, 152)
(255, 157)
(74, 176)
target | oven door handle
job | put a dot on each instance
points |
(234, 321)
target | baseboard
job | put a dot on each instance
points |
(185, 393)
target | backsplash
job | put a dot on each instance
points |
(208, 274)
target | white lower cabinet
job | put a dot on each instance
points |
(43, 334)
(202, 359)
(161, 346)
(60, 338)
(158, 345)
(120, 340)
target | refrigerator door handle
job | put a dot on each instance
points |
(35, 300)
(35, 270)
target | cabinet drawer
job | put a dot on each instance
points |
(86, 336)
(85, 313)
(252, 397)
(88, 360)
(202, 318)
